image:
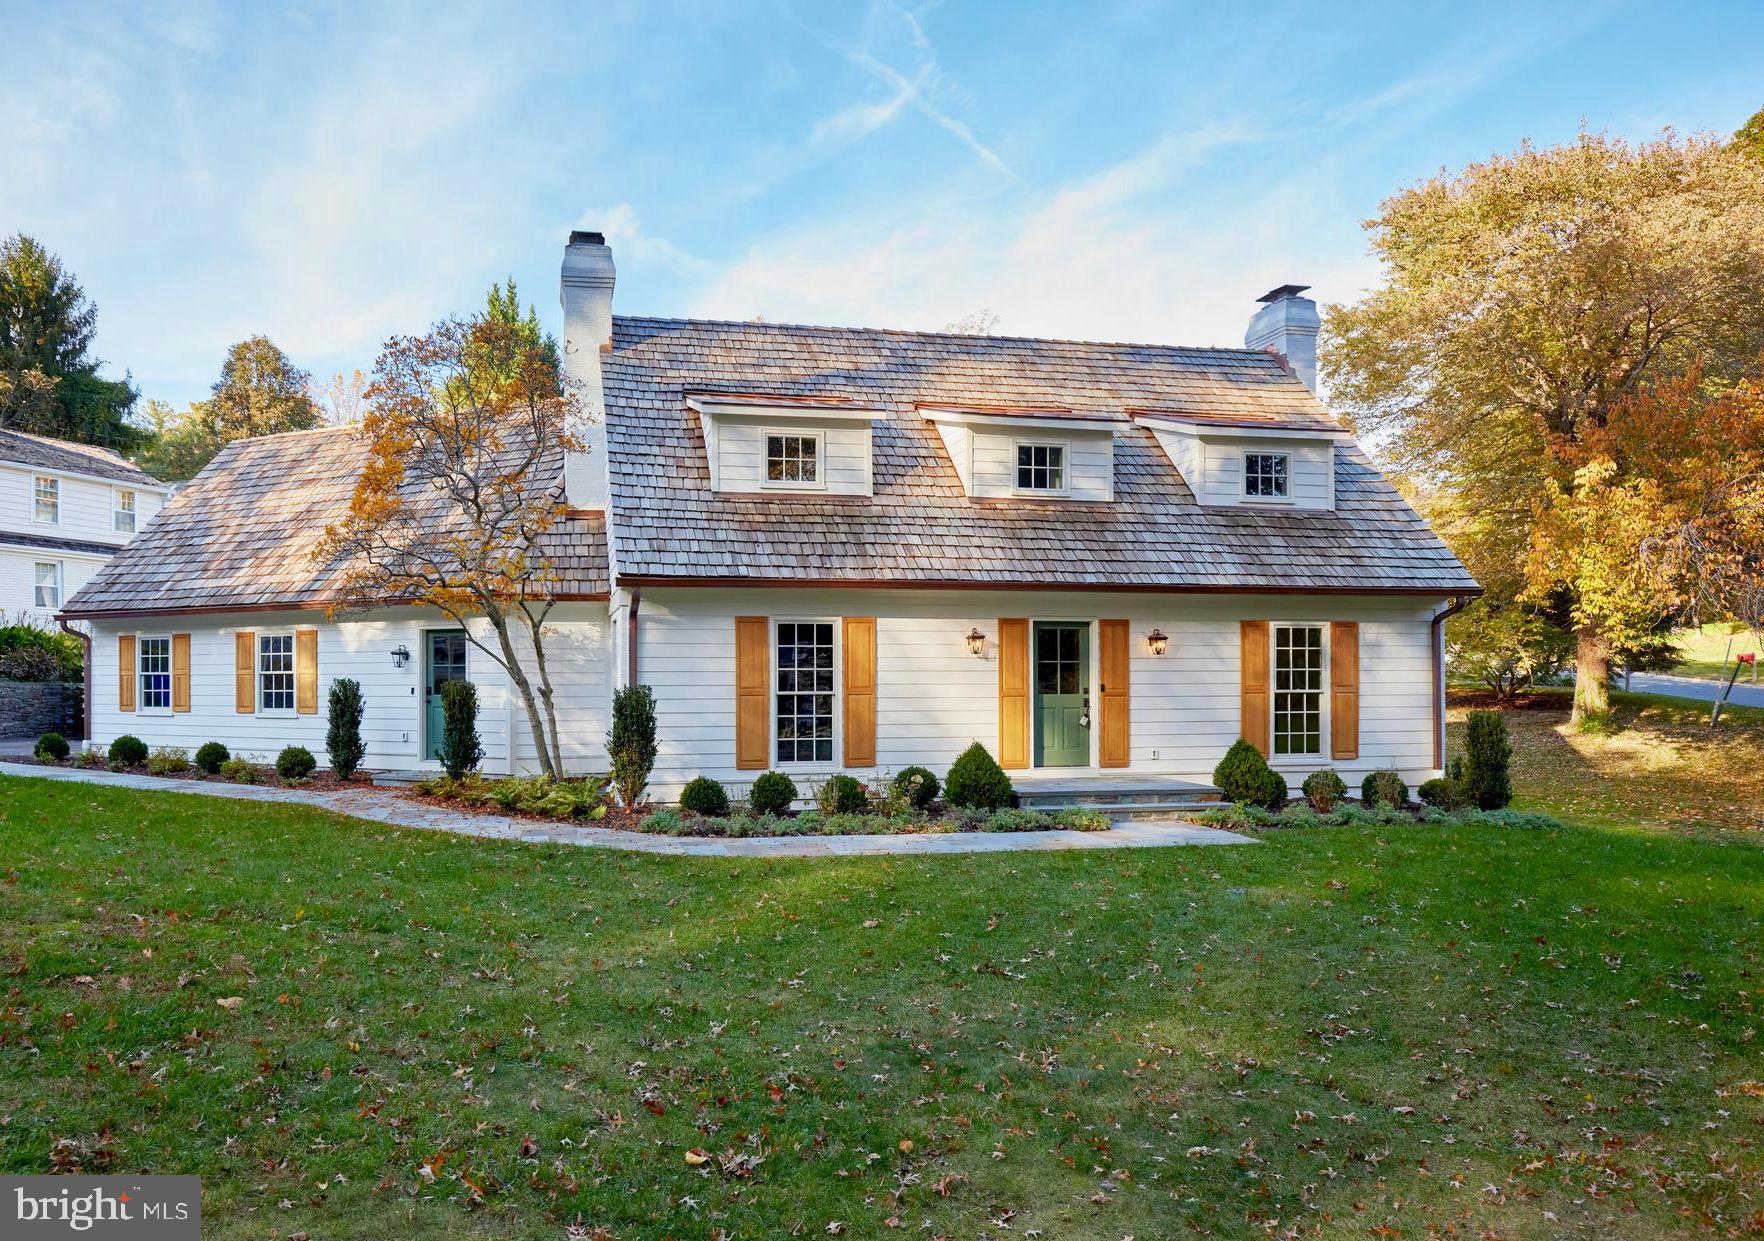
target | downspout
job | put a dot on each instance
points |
(631, 636)
(1436, 646)
(85, 670)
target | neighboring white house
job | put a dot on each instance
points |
(65, 509)
(833, 549)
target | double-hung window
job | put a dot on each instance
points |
(1041, 467)
(793, 460)
(122, 516)
(1265, 475)
(1298, 689)
(804, 697)
(275, 672)
(48, 593)
(155, 674)
(46, 499)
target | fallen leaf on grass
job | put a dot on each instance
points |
(231, 1002)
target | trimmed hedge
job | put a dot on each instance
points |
(211, 756)
(1488, 756)
(1245, 778)
(703, 795)
(128, 750)
(296, 762)
(976, 780)
(772, 793)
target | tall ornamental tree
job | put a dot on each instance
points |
(1525, 300)
(466, 431)
(49, 382)
(259, 392)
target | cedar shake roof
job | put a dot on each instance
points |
(922, 528)
(242, 534)
(21, 448)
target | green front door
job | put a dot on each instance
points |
(1062, 695)
(444, 660)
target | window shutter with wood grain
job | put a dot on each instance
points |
(1253, 640)
(1013, 694)
(306, 672)
(1344, 689)
(753, 667)
(180, 672)
(1113, 743)
(245, 672)
(860, 691)
(125, 672)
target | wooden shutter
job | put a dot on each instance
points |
(125, 672)
(180, 672)
(1013, 693)
(753, 668)
(1113, 747)
(1254, 663)
(1344, 689)
(306, 671)
(245, 672)
(860, 691)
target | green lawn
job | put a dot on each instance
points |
(1708, 651)
(1415, 1032)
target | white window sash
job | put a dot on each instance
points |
(144, 685)
(1064, 468)
(816, 438)
(46, 494)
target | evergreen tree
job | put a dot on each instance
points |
(49, 383)
(260, 392)
(516, 340)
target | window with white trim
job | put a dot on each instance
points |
(1265, 475)
(1041, 467)
(1298, 689)
(46, 499)
(793, 460)
(48, 593)
(122, 515)
(804, 706)
(275, 672)
(155, 669)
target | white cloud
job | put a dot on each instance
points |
(628, 240)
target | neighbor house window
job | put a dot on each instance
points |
(275, 672)
(1264, 475)
(155, 657)
(122, 517)
(1041, 467)
(49, 584)
(793, 460)
(1298, 689)
(805, 692)
(46, 492)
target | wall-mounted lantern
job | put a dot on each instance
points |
(976, 642)
(1157, 642)
(400, 655)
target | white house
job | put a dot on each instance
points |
(834, 549)
(65, 509)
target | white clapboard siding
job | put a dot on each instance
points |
(741, 447)
(18, 580)
(1090, 462)
(1212, 466)
(934, 697)
(86, 506)
(393, 721)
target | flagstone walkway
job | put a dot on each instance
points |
(383, 806)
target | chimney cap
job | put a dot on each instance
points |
(1283, 292)
(579, 237)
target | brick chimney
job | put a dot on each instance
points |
(1287, 325)
(587, 293)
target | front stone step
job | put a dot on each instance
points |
(1117, 794)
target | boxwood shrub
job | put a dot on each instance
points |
(1244, 776)
(916, 786)
(1384, 788)
(210, 755)
(704, 795)
(296, 761)
(128, 750)
(772, 793)
(976, 780)
(52, 747)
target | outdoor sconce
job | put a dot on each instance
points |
(976, 642)
(400, 655)
(1157, 642)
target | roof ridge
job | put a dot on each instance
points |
(70, 445)
(1261, 354)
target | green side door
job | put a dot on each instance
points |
(1062, 695)
(444, 660)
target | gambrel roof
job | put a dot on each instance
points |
(922, 528)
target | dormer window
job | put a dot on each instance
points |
(1041, 467)
(1265, 475)
(793, 460)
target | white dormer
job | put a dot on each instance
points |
(1253, 464)
(779, 444)
(1028, 454)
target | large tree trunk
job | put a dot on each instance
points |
(518, 675)
(536, 627)
(1592, 675)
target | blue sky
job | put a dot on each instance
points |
(330, 174)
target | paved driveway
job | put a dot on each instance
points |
(1745, 694)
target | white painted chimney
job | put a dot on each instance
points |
(587, 293)
(1287, 325)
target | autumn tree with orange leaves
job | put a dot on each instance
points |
(467, 428)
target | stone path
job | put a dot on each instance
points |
(381, 806)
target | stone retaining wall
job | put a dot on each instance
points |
(31, 708)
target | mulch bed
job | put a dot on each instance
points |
(616, 817)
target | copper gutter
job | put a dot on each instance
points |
(85, 670)
(1436, 648)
